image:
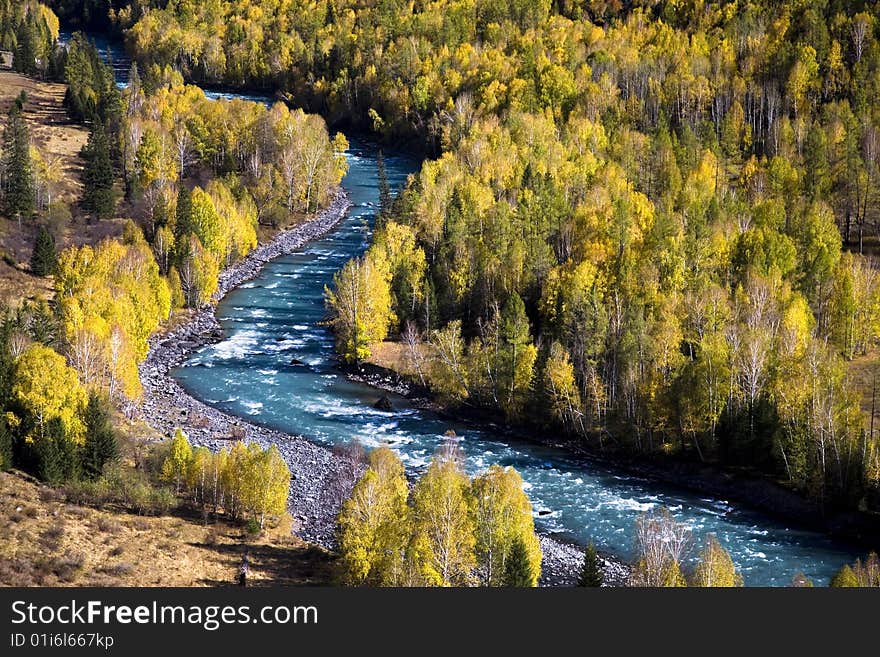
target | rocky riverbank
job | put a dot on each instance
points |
(320, 478)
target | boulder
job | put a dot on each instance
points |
(384, 404)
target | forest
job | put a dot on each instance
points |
(649, 224)
(653, 231)
(183, 184)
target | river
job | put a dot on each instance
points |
(274, 321)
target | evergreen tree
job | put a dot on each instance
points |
(591, 571)
(98, 198)
(45, 256)
(55, 451)
(517, 567)
(5, 446)
(25, 55)
(183, 223)
(100, 441)
(19, 196)
(386, 200)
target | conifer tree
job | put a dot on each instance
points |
(5, 446)
(98, 197)
(19, 195)
(100, 441)
(386, 200)
(591, 571)
(56, 454)
(45, 255)
(517, 569)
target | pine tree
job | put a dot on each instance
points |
(591, 571)
(25, 55)
(57, 460)
(517, 568)
(45, 256)
(183, 223)
(100, 442)
(98, 198)
(386, 200)
(5, 447)
(19, 195)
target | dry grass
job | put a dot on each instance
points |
(51, 129)
(45, 541)
(395, 356)
(864, 372)
(58, 140)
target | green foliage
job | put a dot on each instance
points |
(44, 257)
(19, 196)
(92, 94)
(56, 455)
(673, 243)
(591, 571)
(5, 446)
(29, 29)
(517, 568)
(100, 446)
(98, 195)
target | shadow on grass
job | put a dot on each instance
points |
(274, 565)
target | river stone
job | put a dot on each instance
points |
(384, 404)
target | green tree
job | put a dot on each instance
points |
(100, 445)
(98, 195)
(19, 197)
(515, 377)
(518, 568)
(591, 570)
(44, 257)
(5, 446)
(57, 460)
